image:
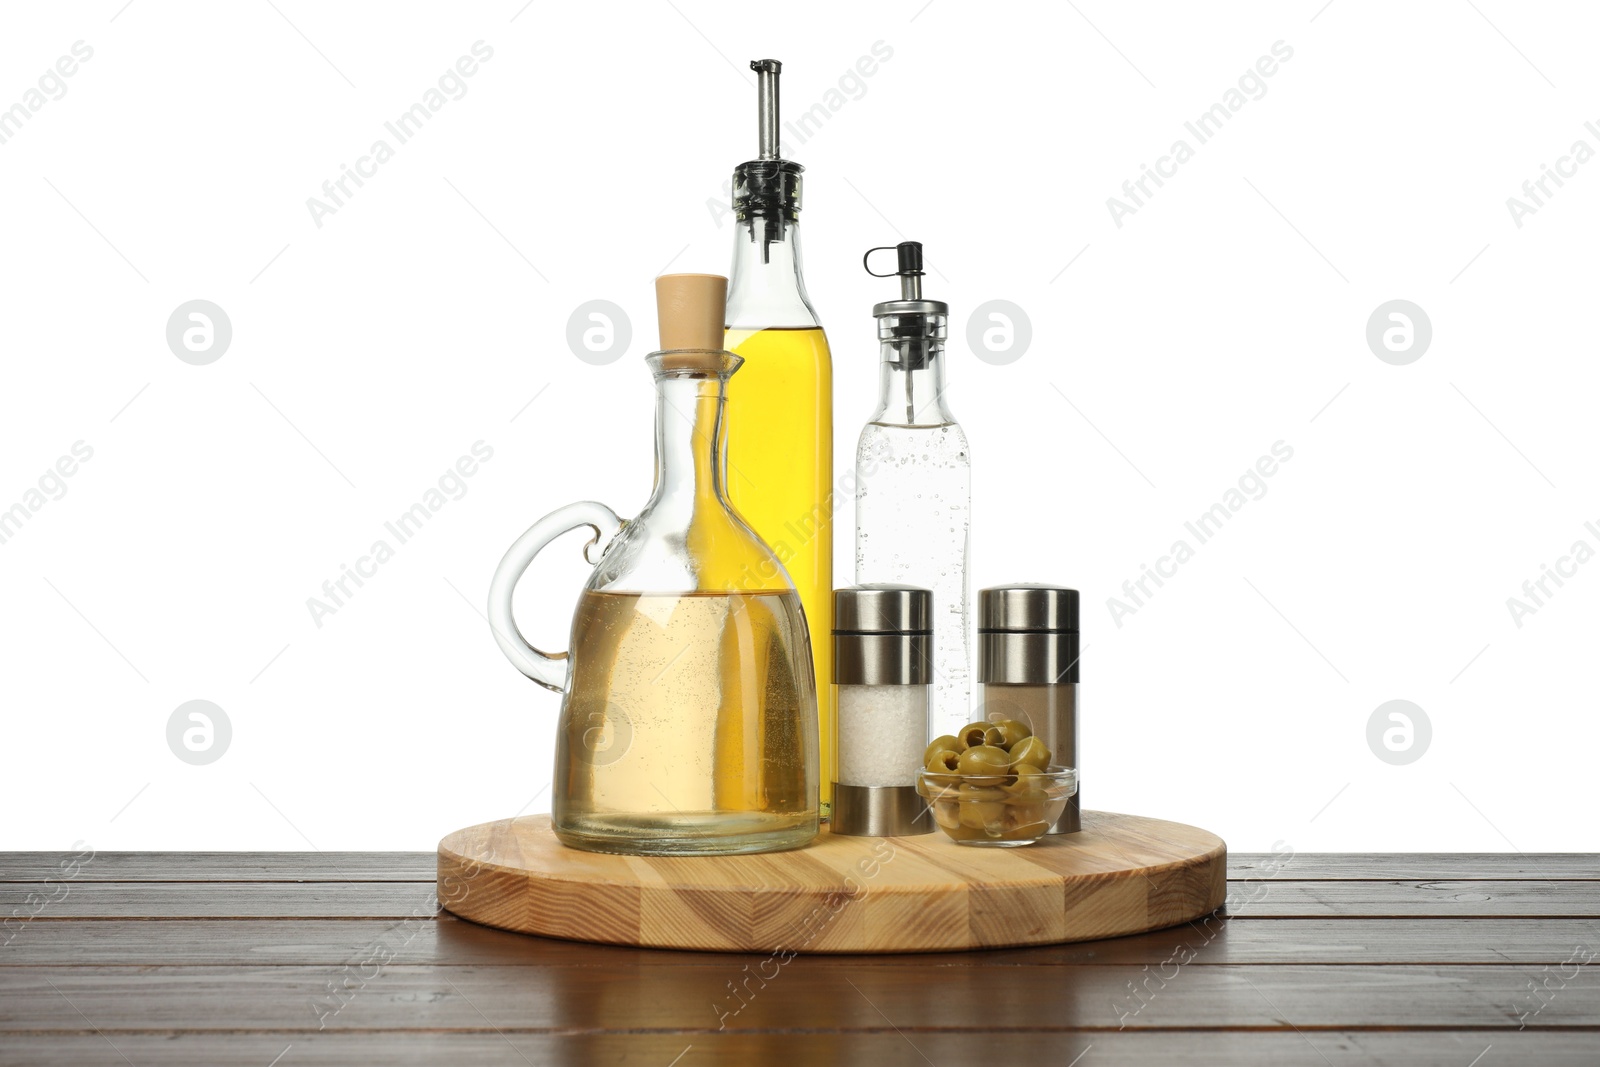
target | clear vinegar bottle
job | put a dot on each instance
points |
(780, 407)
(914, 483)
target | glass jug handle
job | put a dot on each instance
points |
(548, 669)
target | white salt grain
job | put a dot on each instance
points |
(882, 732)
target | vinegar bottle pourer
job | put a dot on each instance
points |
(912, 328)
(909, 258)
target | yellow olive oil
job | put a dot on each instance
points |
(686, 724)
(780, 479)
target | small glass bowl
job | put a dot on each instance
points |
(997, 810)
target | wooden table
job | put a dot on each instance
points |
(295, 958)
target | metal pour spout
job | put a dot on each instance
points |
(908, 261)
(767, 71)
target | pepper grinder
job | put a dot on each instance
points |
(883, 674)
(1028, 666)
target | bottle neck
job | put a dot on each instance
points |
(911, 386)
(765, 286)
(689, 445)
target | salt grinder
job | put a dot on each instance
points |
(1028, 667)
(883, 674)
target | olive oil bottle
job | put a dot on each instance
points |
(780, 405)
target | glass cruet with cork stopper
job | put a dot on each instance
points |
(688, 718)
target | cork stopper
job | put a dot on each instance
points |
(692, 309)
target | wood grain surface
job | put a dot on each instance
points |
(886, 1048)
(1122, 874)
(849, 998)
(302, 958)
(447, 942)
(1288, 899)
(367, 867)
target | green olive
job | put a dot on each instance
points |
(947, 813)
(945, 761)
(1032, 751)
(940, 744)
(983, 792)
(1010, 731)
(984, 759)
(971, 735)
(1020, 815)
(1028, 780)
(983, 814)
(1026, 831)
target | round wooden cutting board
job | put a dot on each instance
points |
(1121, 874)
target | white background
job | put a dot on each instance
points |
(368, 354)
